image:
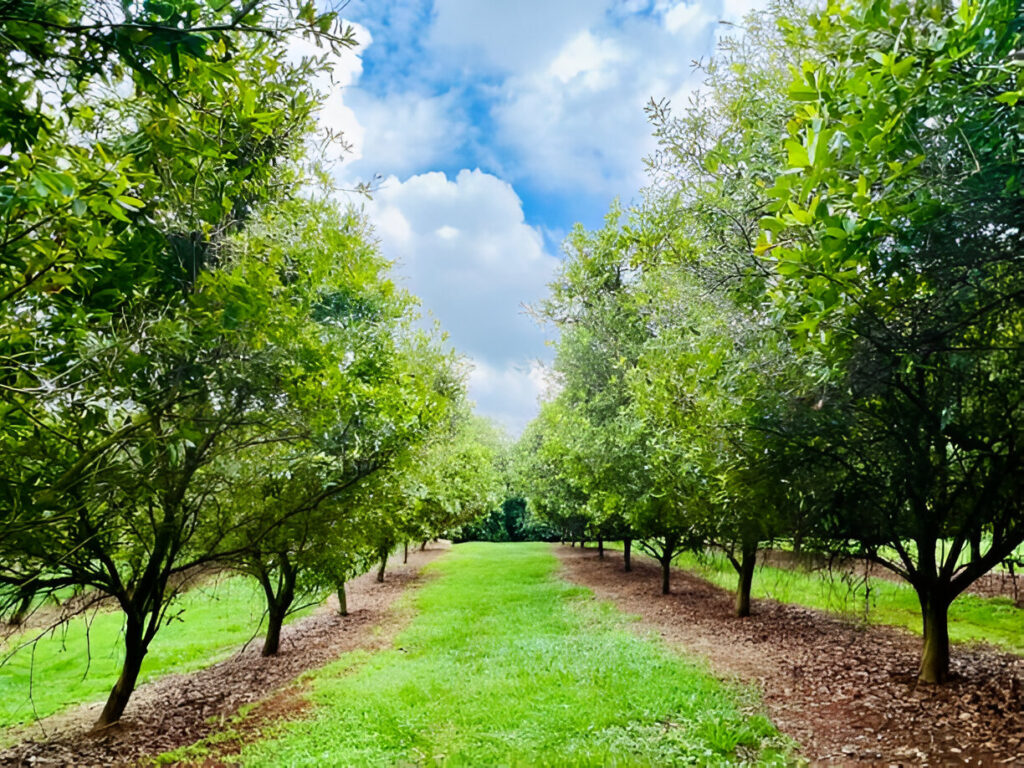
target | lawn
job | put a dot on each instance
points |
(994, 620)
(505, 664)
(80, 662)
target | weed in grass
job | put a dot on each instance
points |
(507, 665)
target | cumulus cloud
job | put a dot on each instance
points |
(687, 18)
(402, 133)
(509, 35)
(548, 95)
(509, 395)
(576, 120)
(736, 10)
(462, 245)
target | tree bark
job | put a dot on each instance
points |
(383, 565)
(342, 600)
(405, 553)
(600, 548)
(748, 558)
(134, 652)
(423, 546)
(275, 620)
(278, 602)
(666, 569)
(935, 653)
(22, 611)
(627, 546)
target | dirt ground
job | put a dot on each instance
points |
(847, 694)
(181, 709)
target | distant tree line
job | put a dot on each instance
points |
(512, 521)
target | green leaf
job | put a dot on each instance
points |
(797, 154)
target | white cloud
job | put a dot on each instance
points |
(577, 122)
(509, 395)
(736, 10)
(398, 133)
(402, 133)
(462, 245)
(687, 17)
(588, 58)
(509, 35)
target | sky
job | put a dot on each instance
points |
(490, 128)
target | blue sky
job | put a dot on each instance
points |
(495, 125)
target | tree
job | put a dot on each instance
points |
(363, 390)
(717, 363)
(135, 352)
(542, 478)
(703, 385)
(896, 244)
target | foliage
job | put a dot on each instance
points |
(512, 521)
(896, 240)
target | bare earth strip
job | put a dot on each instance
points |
(847, 694)
(181, 709)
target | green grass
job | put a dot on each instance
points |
(505, 664)
(941, 551)
(80, 662)
(994, 620)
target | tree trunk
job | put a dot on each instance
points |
(747, 560)
(666, 569)
(22, 611)
(423, 546)
(935, 654)
(342, 600)
(405, 553)
(278, 602)
(627, 546)
(275, 620)
(572, 543)
(600, 548)
(134, 652)
(383, 565)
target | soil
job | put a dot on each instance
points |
(178, 710)
(847, 694)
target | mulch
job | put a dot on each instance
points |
(178, 710)
(848, 694)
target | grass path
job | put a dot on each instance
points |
(506, 664)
